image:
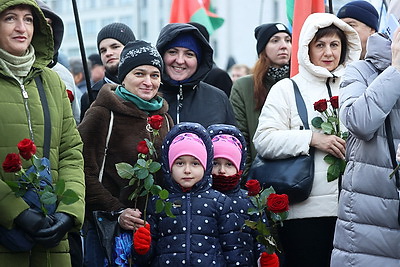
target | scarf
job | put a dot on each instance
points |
(152, 105)
(17, 66)
(278, 73)
(224, 183)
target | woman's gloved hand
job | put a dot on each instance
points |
(51, 236)
(31, 221)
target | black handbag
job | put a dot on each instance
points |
(293, 176)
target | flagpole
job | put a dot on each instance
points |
(82, 49)
(330, 6)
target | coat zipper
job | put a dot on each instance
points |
(179, 104)
(28, 113)
(188, 228)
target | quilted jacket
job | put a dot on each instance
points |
(204, 231)
(367, 230)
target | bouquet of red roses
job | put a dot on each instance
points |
(276, 207)
(35, 184)
(329, 123)
(142, 173)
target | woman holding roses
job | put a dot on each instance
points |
(29, 92)
(326, 46)
(137, 109)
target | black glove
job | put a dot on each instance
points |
(51, 236)
(30, 221)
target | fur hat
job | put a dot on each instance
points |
(117, 31)
(264, 32)
(361, 11)
(138, 53)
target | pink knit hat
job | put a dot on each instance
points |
(228, 147)
(187, 144)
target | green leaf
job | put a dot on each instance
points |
(132, 181)
(155, 189)
(124, 170)
(159, 206)
(316, 122)
(154, 167)
(252, 211)
(163, 194)
(142, 173)
(168, 210)
(145, 192)
(345, 135)
(69, 197)
(14, 185)
(329, 159)
(327, 127)
(48, 198)
(142, 163)
(333, 120)
(251, 224)
(148, 182)
(59, 187)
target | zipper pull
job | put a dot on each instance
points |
(24, 92)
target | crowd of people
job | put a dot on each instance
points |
(211, 125)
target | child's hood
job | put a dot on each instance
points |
(217, 129)
(201, 132)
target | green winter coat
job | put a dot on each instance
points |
(243, 104)
(66, 146)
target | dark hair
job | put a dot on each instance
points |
(332, 30)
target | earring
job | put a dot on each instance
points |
(123, 84)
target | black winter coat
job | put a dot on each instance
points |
(193, 100)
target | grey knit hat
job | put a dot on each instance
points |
(138, 53)
(117, 31)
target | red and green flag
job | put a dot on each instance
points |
(200, 11)
(297, 11)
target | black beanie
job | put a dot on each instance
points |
(361, 11)
(117, 31)
(264, 32)
(138, 53)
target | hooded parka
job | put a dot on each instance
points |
(367, 230)
(192, 99)
(279, 133)
(204, 231)
(65, 145)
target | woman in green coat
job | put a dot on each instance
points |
(248, 94)
(26, 48)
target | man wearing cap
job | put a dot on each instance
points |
(111, 39)
(363, 17)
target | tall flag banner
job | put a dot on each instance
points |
(300, 10)
(200, 11)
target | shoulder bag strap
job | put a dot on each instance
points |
(301, 106)
(46, 115)
(389, 136)
(106, 147)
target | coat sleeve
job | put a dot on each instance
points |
(363, 107)
(239, 108)
(278, 134)
(93, 130)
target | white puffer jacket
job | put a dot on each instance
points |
(278, 134)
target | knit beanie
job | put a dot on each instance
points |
(117, 31)
(361, 11)
(186, 40)
(264, 32)
(138, 53)
(228, 147)
(187, 144)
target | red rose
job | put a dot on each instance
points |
(142, 147)
(12, 163)
(253, 187)
(269, 260)
(278, 203)
(70, 95)
(321, 105)
(334, 101)
(26, 148)
(155, 121)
